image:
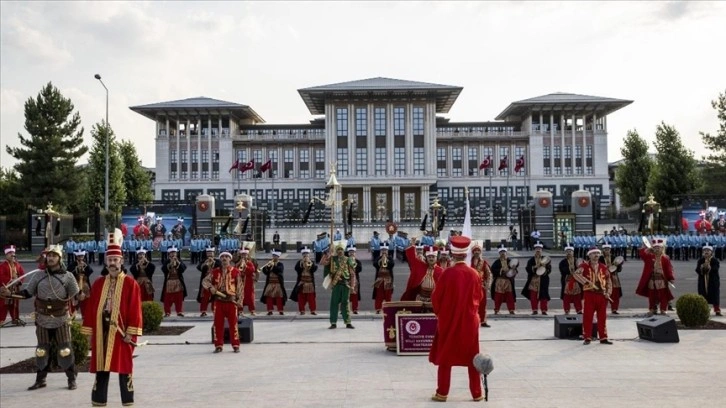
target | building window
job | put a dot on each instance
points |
(172, 156)
(547, 162)
(399, 161)
(520, 155)
(320, 163)
(191, 194)
(443, 193)
(418, 161)
(361, 162)
(487, 152)
(183, 155)
(183, 175)
(172, 175)
(409, 206)
(380, 161)
(304, 163)
(456, 162)
(342, 158)
(341, 120)
(215, 174)
(588, 160)
(217, 193)
(170, 195)
(472, 158)
(215, 156)
(361, 121)
(441, 162)
(303, 195)
(504, 155)
(288, 170)
(418, 121)
(399, 121)
(380, 121)
(205, 156)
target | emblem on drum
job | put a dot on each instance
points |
(203, 206)
(544, 202)
(413, 327)
(583, 201)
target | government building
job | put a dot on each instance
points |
(393, 150)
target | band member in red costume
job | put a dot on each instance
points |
(141, 231)
(10, 269)
(205, 267)
(571, 290)
(657, 274)
(596, 284)
(485, 273)
(456, 304)
(113, 319)
(304, 290)
(383, 283)
(424, 274)
(226, 285)
(703, 226)
(248, 269)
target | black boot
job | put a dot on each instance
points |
(71, 374)
(99, 394)
(39, 380)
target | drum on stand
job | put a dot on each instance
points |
(389, 318)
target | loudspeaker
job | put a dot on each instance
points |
(570, 327)
(658, 329)
(245, 328)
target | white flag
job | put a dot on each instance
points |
(466, 229)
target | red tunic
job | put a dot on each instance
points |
(456, 304)
(249, 275)
(6, 276)
(141, 230)
(649, 260)
(125, 311)
(418, 272)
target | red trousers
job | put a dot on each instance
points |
(177, 299)
(615, 296)
(382, 296)
(146, 297)
(595, 303)
(444, 381)
(204, 304)
(483, 308)
(575, 300)
(534, 299)
(658, 296)
(277, 300)
(503, 297)
(308, 298)
(354, 302)
(222, 311)
(13, 308)
(249, 299)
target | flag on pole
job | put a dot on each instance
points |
(503, 163)
(486, 163)
(243, 167)
(519, 165)
(466, 229)
(267, 166)
(234, 165)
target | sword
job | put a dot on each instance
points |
(19, 278)
(123, 334)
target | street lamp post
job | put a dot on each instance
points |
(108, 136)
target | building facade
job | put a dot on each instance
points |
(392, 149)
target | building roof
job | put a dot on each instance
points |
(315, 97)
(197, 106)
(560, 101)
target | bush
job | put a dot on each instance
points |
(692, 310)
(153, 313)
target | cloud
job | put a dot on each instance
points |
(12, 101)
(34, 46)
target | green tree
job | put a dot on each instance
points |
(10, 201)
(631, 177)
(716, 161)
(136, 180)
(97, 170)
(675, 169)
(47, 159)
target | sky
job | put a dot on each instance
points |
(665, 56)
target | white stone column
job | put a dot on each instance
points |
(425, 198)
(371, 140)
(389, 139)
(351, 140)
(430, 139)
(199, 148)
(409, 139)
(552, 144)
(367, 204)
(396, 203)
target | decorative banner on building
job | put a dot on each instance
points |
(415, 333)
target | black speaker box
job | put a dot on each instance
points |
(570, 327)
(245, 328)
(658, 329)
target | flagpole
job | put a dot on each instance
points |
(274, 194)
(508, 197)
(491, 196)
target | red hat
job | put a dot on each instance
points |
(9, 249)
(114, 243)
(460, 245)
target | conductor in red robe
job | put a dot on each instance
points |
(657, 274)
(113, 319)
(456, 304)
(424, 275)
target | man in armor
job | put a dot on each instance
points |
(10, 270)
(304, 290)
(342, 278)
(657, 275)
(226, 284)
(383, 283)
(143, 271)
(113, 320)
(82, 272)
(205, 267)
(423, 275)
(481, 266)
(571, 290)
(274, 291)
(174, 290)
(53, 288)
(709, 281)
(595, 279)
(503, 287)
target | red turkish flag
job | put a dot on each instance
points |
(503, 163)
(519, 165)
(234, 165)
(486, 163)
(267, 166)
(243, 167)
